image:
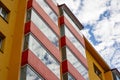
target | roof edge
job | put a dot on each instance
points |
(96, 55)
(73, 17)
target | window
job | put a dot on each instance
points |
(72, 22)
(48, 10)
(2, 37)
(43, 26)
(77, 64)
(42, 53)
(97, 71)
(3, 11)
(70, 77)
(75, 41)
(27, 73)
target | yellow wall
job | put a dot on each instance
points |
(108, 75)
(10, 59)
(92, 75)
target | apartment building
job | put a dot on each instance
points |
(40, 40)
(53, 45)
(72, 47)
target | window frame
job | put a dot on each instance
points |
(51, 10)
(27, 46)
(27, 66)
(97, 71)
(83, 71)
(2, 37)
(31, 12)
(3, 8)
(82, 48)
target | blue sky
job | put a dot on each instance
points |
(101, 21)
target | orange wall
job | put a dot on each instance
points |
(13, 32)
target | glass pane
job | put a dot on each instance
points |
(45, 56)
(75, 42)
(117, 78)
(73, 23)
(48, 10)
(0, 10)
(0, 42)
(70, 77)
(3, 13)
(27, 73)
(77, 64)
(43, 27)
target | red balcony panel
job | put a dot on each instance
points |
(53, 6)
(66, 42)
(63, 41)
(38, 66)
(29, 4)
(44, 40)
(61, 20)
(68, 67)
(64, 66)
(76, 34)
(76, 52)
(74, 72)
(24, 58)
(27, 27)
(46, 18)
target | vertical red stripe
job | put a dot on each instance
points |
(64, 67)
(61, 20)
(63, 41)
(29, 4)
(24, 58)
(27, 27)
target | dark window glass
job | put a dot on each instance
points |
(97, 71)
(3, 11)
(2, 37)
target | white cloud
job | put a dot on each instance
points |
(103, 30)
(91, 10)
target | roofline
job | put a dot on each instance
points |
(116, 70)
(96, 55)
(76, 21)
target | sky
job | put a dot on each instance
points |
(101, 21)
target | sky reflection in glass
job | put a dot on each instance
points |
(73, 23)
(77, 64)
(27, 73)
(75, 42)
(32, 15)
(48, 10)
(43, 54)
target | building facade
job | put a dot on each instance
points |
(11, 37)
(40, 40)
(53, 45)
(74, 63)
(41, 56)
